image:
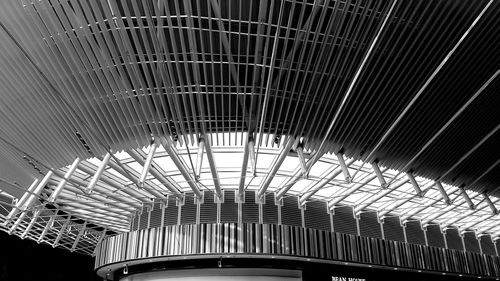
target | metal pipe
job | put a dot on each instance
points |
(63, 182)
(380, 176)
(446, 199)
(415, 185)
(344, 167)
(147, 165)
(98, 173)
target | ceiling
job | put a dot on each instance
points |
(410, 85)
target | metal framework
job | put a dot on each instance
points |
(61, 198)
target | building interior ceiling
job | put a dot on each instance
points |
(389, 106)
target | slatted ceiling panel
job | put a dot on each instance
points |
(414, 233)
(344, 221)
(471, 242)
(208, 210)
(171, 212)
(156, 213)
(487, 245)
(453, 239)
(188, 210)
(290, 212)
(316, 215)
(250, 209)
(229, 209)
(369, 225)
(269, 209)
(434, 236)
(393, 229)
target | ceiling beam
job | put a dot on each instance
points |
(275, 166)
(174, 156)
(64, 180)
(333, 173)
(213, 166)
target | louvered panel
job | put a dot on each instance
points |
(208, 210)
(434, 236)
(144, 218)
(229, 209)
(414, 233)
(393, 229)
(316, 215)
(369, 226)
(188, 210)
(171, 212)
(135, 223)
(487, 245)
(290, 212)
(344, 221)
(250, 210)
(453, 239)
(156, 214)
(269, 209)
(471, 242)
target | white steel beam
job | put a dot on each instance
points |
(98, 173)
(147, 164)
(488, 201)
(380, 176)
(335, 171)
(415, 185)
(302, 161)
(64, 180)
(275, 166)
(213, 166)
(199, 157)
(293, 179)
(444, 195)
(244, 166)
(157, 173)
(21, 202)
(466, 198)
(344, 167)
(174, 156)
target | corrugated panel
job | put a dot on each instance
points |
(369, 226)
(229, 209)
(155, 220)
(188, 210)
(269, 210)
(171, 212)
(471, 243)
(344, 221)
(316, 215)
(487, 245)
(393, 229)
(414, 233)
(290, 212)
(434, 236)
(208, 210)
(250, 210)
(453, 239)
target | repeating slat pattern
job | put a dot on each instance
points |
(232, 238)
(395, 82)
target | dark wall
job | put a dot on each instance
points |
(25, 260)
